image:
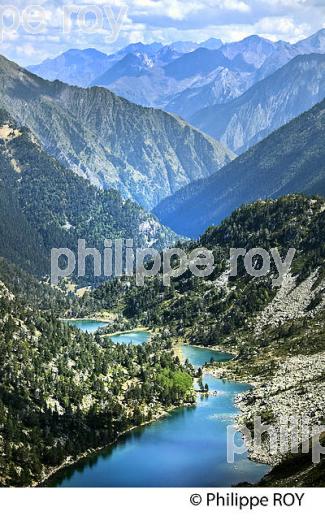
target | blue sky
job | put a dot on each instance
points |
(28, 36)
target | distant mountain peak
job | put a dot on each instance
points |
(316, 35)
(90, 51)
(255, 38)
(212, 43)
(184, 47)
(315, 42)
(254, 49)
(75, 66)
(149, 48)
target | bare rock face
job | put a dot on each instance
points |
(267, 105)
(293, 399)
(145, 154)
(290, 302)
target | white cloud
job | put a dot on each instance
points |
(234, 5)
(173, 9)
(27, 49)
(286, 3)
(282, 27)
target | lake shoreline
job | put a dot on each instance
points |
(130, 331)
(108, 321)
(254, 454)
(178, 343)
(70, 461)
(160, 414)
(179, 340)
(91, 319)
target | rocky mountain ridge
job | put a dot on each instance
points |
(289, 160)
(44, 205)
(145, 154)
(267, 105)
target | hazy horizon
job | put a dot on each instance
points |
(147, 21)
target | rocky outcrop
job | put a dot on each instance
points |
(292, 401)
(290, 302)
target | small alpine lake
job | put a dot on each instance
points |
(187, 448)
(91, 326)
(133, 337)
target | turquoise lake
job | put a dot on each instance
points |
(186, 448)
(136, 338)
(90, 326)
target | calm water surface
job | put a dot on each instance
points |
(90, 326)
(187, 448)
(136, 338)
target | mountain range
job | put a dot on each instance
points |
(267, 105)
(290, 160)
(144, 153)
(78, 161)
(286, 52)
(80, 68)
(183, 77)
(43, 205)
(154, 80)
(147, 75)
